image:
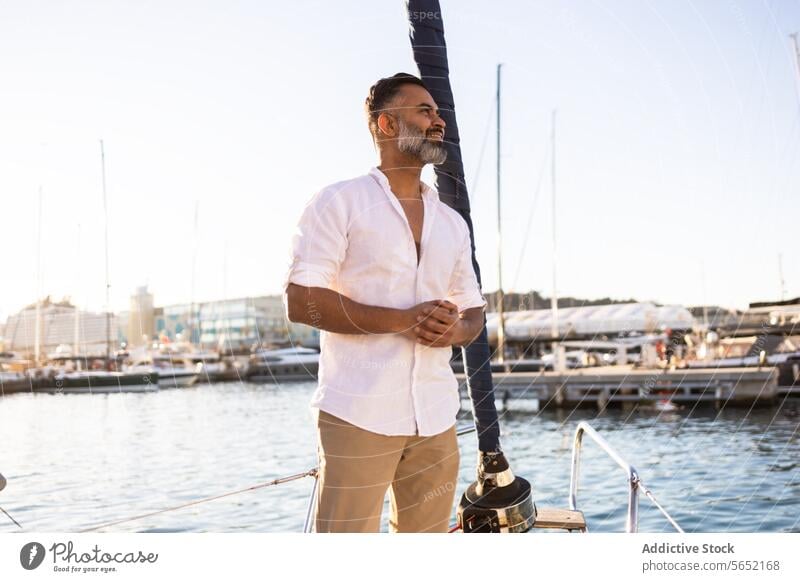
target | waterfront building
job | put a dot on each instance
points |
(140, 324)
(181, 321)
(232, 324)
(58, 323)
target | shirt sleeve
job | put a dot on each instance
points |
(464, 289)
(319, 243)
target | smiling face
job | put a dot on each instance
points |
(411, 123)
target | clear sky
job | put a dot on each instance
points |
(678, 137)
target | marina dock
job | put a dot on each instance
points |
(609, 385)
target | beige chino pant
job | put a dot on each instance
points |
(358, 466)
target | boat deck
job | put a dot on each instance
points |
(566, 519)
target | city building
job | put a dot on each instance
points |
(85, 334)
(140, 324)
(232, 324)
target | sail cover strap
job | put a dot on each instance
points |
(430, 53)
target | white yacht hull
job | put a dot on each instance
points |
(167, 379)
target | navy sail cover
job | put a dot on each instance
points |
(430, 53)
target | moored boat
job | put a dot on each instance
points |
(12, 381)
(172, 370)
(96, 382)
(285, 364)
(86, 375)
(212, 367)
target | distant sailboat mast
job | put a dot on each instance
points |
(793, 36)
(108, 284)
(37, 334)
(796, 45)
(554, 298)
(501, 323)
(77, 331)
(194, 319)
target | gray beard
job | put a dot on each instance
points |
(413, 142)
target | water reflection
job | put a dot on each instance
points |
(79, 460)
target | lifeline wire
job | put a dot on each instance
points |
(309, 473)
(652, 498)
(11, 518)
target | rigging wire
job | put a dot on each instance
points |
(473, 191)
(309, 473)
(530, 219)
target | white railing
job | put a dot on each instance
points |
(634, 482)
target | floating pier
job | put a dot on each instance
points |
(625, 384)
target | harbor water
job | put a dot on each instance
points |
(76, 461)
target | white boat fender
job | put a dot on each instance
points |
(498, 502)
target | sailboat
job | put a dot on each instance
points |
(80, 374)
(59, 379)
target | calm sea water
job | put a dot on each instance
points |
(75, 461)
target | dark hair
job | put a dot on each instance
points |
(382, 92)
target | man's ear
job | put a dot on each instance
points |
(387, 124)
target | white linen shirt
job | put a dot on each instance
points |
(354, 238)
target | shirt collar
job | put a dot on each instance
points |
(427, 191)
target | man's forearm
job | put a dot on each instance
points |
(471, 326)
(331, 311)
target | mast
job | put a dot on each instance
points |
(501, 323)
(554, 297)
(226, 313)
(705, 304)
(426, 33)
(37, 334)
(192, 319)
(793, 36)
(108, 284)
(77, 330)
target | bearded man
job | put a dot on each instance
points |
(383, 268)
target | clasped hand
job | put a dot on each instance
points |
(435, 324)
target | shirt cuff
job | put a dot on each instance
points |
(475, 302)
(308, 275)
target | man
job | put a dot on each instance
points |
(384, 269)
